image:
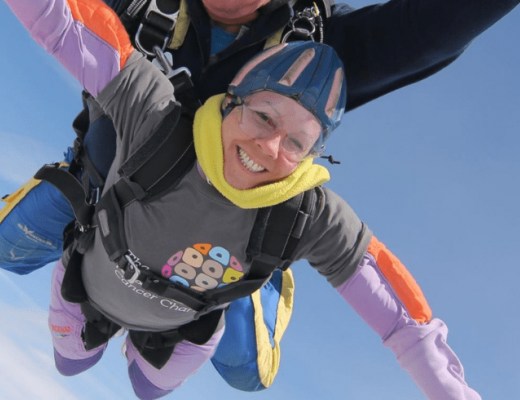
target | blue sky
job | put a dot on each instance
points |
(433, 169)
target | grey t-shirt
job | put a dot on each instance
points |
(191, 234)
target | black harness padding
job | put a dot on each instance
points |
(72, 288)
(151, 166)
(270, 244)
(99, 329)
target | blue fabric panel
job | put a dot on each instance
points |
(31, 235)
(101, 137)
(236, 356)
(270, 298)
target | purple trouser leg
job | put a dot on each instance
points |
(150, 383)
(66, 323)
(421, 349)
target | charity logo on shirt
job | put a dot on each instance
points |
(203, 267)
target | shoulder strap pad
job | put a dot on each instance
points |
(277, 232)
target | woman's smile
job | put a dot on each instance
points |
(247, 162)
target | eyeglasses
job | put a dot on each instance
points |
(259, 122)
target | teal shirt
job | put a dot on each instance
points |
(220, 39)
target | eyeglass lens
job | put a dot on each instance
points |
(259, 123)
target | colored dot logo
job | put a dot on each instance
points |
(203, 267)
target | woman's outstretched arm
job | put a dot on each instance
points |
(387, 297)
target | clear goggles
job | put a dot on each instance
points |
(259, 123)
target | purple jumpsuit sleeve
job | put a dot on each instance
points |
(420, 348)
(85, 36)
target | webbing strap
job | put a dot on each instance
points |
(144, 153)
(110, 222)
(277, 232)
(165, 157)
(197, 301)
(157, 347)
(71, 188)
(159, 163)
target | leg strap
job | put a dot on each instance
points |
(157, 347)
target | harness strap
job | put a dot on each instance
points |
(157, 347)
(71, 188)
(279, 227)
(160, 162)
(98, 329)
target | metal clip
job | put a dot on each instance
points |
(94, 196)
(135, 264)
(307, 20)
(153, 8)
(164, 62)
(82, 228)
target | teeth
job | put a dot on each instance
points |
(248, 163)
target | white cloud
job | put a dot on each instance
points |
(24, 367)
(27, 368)
(22, 156)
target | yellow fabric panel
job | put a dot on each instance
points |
(181, 27)
(285, 305)
(14, 198)
(268, 358)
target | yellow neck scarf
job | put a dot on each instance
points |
(207, 132)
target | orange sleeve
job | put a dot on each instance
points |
(104, 22)
(403, 283)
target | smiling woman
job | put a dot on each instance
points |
(188, 246)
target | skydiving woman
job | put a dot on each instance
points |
(189, 242)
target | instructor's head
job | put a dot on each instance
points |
(280, 108)
(233, 12)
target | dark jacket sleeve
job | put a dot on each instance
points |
(387, 46)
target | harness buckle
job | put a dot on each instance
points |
(94, 196)
(135, 266)
(83, 228)
(165, 22)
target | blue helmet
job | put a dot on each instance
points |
(308, 72)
